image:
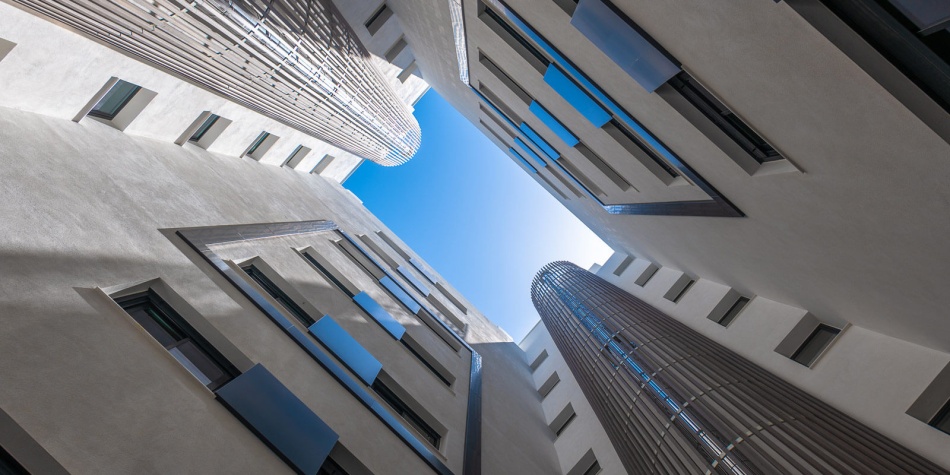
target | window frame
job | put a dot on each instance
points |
(177, 323)
(129, 95)
(822, 327)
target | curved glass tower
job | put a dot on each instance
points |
(296, 61)
(673, 401)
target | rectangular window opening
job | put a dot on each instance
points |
(540, 359)
(112, 103)
(208, 123)
(549, 385)
(279, 295)
(378, 19)
(623, 265)
(417, 351)
(733, 311)
(682, 292)
(404, 411)
(517, 42)
(725, 119)
(815, 344)
(9, 465)
(185, 344)
(256, 145)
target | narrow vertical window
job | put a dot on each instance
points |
(257, 143)
(378, 19)
(198, 356)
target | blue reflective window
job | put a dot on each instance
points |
(574, 95)
(530, 152)
(400, 294)
(614, 34)
(522, 159)
(555, 125)
(540, 142)
(414, 281)
(346, 349)
(375, 310)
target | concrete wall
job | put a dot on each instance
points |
(870, 376)
(85, 205)
(586, 431)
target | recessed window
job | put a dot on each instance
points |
(112, 103)
(198, 356)
(322, 164)
(396, 48)
(941, 421)
(425, 358)
(563, 420)
(261, 145)
(279, 295)
(527, 51)
(623, 265)
(296, 156)
(594, 469)
(725, 119)
(9, 465)
(331, 468)
(682, 292)
(549, 384)
(378, 19)
(205, 126)
(540, 359)
(733, 311)
(404, 411)
(815, 344)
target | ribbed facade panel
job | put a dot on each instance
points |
(674, 402)
(296, 61)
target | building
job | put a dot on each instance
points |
(783, 161)
(674, 401)
(190, 290)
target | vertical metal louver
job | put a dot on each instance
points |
(296, 61)
(674, 402)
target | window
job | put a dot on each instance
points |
(815, 344)
(646, 275)
(540, 359)
(567, 5)
(548, 385)
(682, 292)
(941, 421)
(733, 311)
(112, 103)
(378, 19)
(417, 351)
(274, 291)
(623, 265)
(257, 146)
(403, 410)
(396, 48)
(208, 123)
(515, 40)
(323, 164)
(331, 468)
(328, 273)
(179, 338)
(296, 156)
(9, 465)
(563, 419)
(724, 118)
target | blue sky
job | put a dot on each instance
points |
(475, 216)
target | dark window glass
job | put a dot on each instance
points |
(594, 469)
(204, 128)
(257, 143)
(329, 275)
(274, 291)
(942, 420)
(179, 338)
(407, 413)
(733, 311)
(636, 142)
(9, 466)
(331, 468)
(816, 342)
(118, 96)
(425, 362)
(720, 115)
